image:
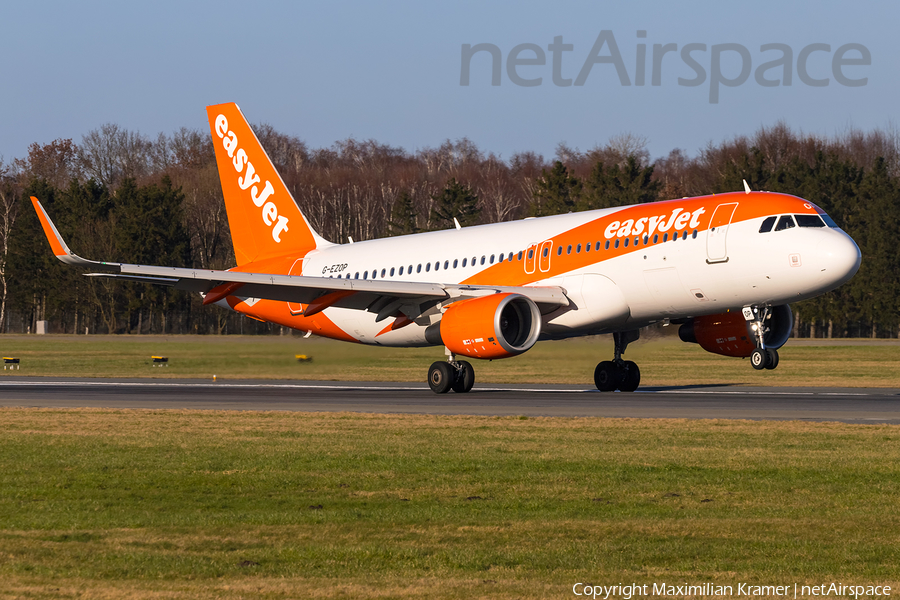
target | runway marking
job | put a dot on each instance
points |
(390, 388)
(755, 392)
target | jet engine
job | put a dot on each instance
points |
(729, 334)
(495, 326)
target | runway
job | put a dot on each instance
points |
(848, 405)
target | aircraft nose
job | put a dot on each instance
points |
(840, 257)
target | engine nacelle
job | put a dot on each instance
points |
(729, 334)
(495, 326)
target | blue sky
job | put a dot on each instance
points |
(391, 71)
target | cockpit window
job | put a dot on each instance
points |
(766, 226)
(809, 221)
(785, 222)
(829, 221)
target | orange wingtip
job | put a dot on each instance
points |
(56, 243)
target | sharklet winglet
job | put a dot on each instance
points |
(59, 247)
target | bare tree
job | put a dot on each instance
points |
(9, 204)
(56, 163)
(109, 154)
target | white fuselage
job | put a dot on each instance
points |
(705, 269)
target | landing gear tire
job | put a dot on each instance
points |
(606, 376)
(759, 359)
(465, 378)
(630, 377)
(441, 377)
(771, 358)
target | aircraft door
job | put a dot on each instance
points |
(716, 251)
(544, 261)
(296, 269)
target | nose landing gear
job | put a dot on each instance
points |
(618, 374)
(762, 357)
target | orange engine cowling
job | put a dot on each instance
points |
(729, 334)
(495, 326)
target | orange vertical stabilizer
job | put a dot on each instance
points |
(265, 220)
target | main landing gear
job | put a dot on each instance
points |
(762, 357)
(618, 374)
(444, 376)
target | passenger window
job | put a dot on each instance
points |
(437, 266)
(694, 235)
(559, 251)
(607, 245)
(356, 276)
(520, 255)
(626, 242)
(409, 270)
(455, 263)
(419, 269)
(655, 237)
(767, 224)
(785, 222)
(684, 235)
(509, 258)
(530, 254)
(569, 249)
(482, 259)
(500, 258)
(492, 259)
(383, 272)
(598, 246)
(366, 275)
(587, 247)
(392, 271)
(401, 271)
(665, 237)
(809, 221)
(464, 262)
(427, 267)
(546, 252)
(616, 245)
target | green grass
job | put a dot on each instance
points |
(178, 504)
(662, 361)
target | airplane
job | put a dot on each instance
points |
(724, 267)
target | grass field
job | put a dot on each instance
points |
(663, 361)
(172, 504)
(179, 504)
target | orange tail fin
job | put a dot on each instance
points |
(264, 218)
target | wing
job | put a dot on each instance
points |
(387, 298)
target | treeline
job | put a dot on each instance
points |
(121, 196)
